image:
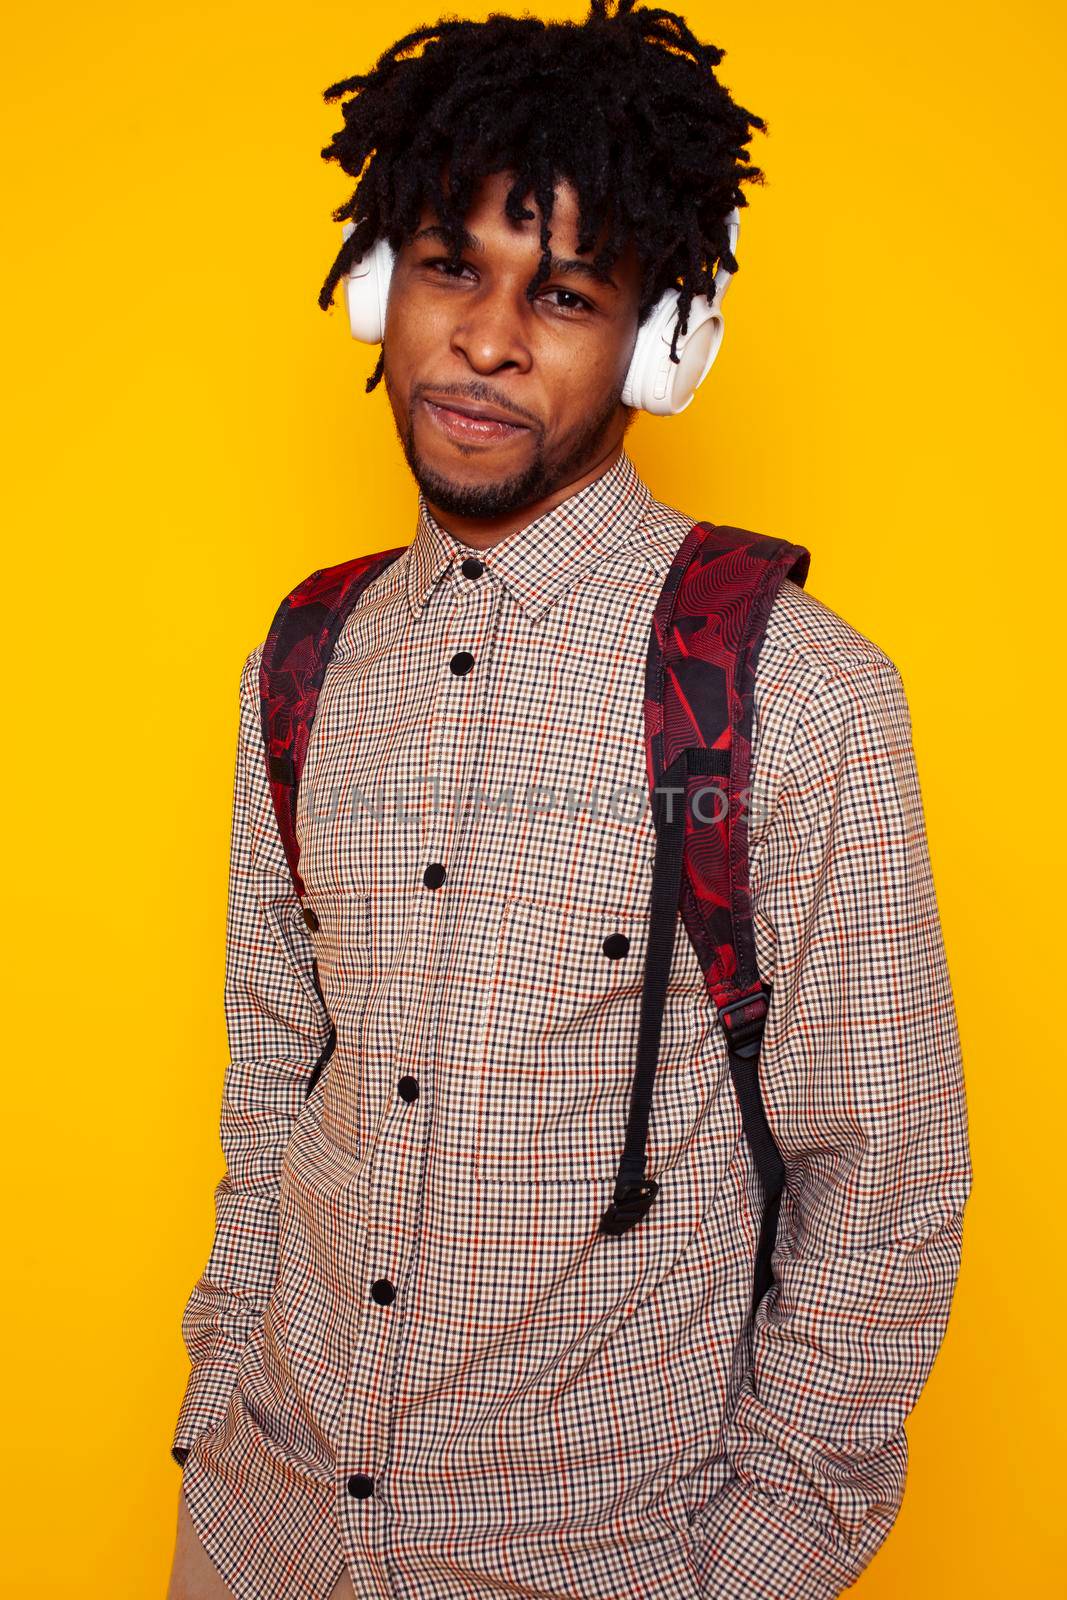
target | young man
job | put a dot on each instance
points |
(419, 1369)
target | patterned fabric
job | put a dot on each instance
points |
(413, 1353)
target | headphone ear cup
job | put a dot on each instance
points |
(654, 382)
(367, 289)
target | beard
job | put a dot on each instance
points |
(547, 471)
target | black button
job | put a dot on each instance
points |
(461, 662)
(434, 876)
(311, 919)
(383, 1291)
(359, 1487)
(408, 1089)
(616, 945)
(472, 567)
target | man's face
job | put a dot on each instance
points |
(469, 336)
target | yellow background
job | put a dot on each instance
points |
(188, 435)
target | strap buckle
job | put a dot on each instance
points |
(743, 1021)
(629, 1207)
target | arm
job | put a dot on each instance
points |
(863, 1086)
(277, 1028)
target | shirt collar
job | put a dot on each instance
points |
(539, 563)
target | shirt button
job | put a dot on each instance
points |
(616, 945)
(434, 876)
(461, 662)
(383, 1291)
(408, 1089)
(472, 567)
(359, 1487)
(311, 919)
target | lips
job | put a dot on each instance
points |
(457, 425)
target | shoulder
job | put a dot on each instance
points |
(250, 672)
(825, 693)
(808, 639)
(828, 701)
(808, 649)
(813, 664)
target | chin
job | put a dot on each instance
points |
(488, 495)
(479, 485)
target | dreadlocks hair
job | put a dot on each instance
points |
(624, 105)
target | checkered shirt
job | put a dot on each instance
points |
(413, 1353)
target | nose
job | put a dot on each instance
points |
(491, 335)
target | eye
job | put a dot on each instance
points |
(582, 305)
(443, 267)
(448, 268)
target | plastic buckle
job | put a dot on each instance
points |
(628, 1209)
(743, 1021)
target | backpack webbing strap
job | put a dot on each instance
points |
(634, 1192)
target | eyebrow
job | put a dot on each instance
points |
(560, 266)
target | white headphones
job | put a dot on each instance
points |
(654, 382)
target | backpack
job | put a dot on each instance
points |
(705, 636)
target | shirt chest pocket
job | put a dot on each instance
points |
(558, 1047)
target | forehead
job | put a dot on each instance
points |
(487, 219)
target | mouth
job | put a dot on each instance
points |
(458, 425)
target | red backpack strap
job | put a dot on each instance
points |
(707, 630)
(296, 654)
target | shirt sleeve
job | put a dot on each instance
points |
(277, 1029)
(862, 1082)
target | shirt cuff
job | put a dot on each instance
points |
(205, 1402)
(747, 1546)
